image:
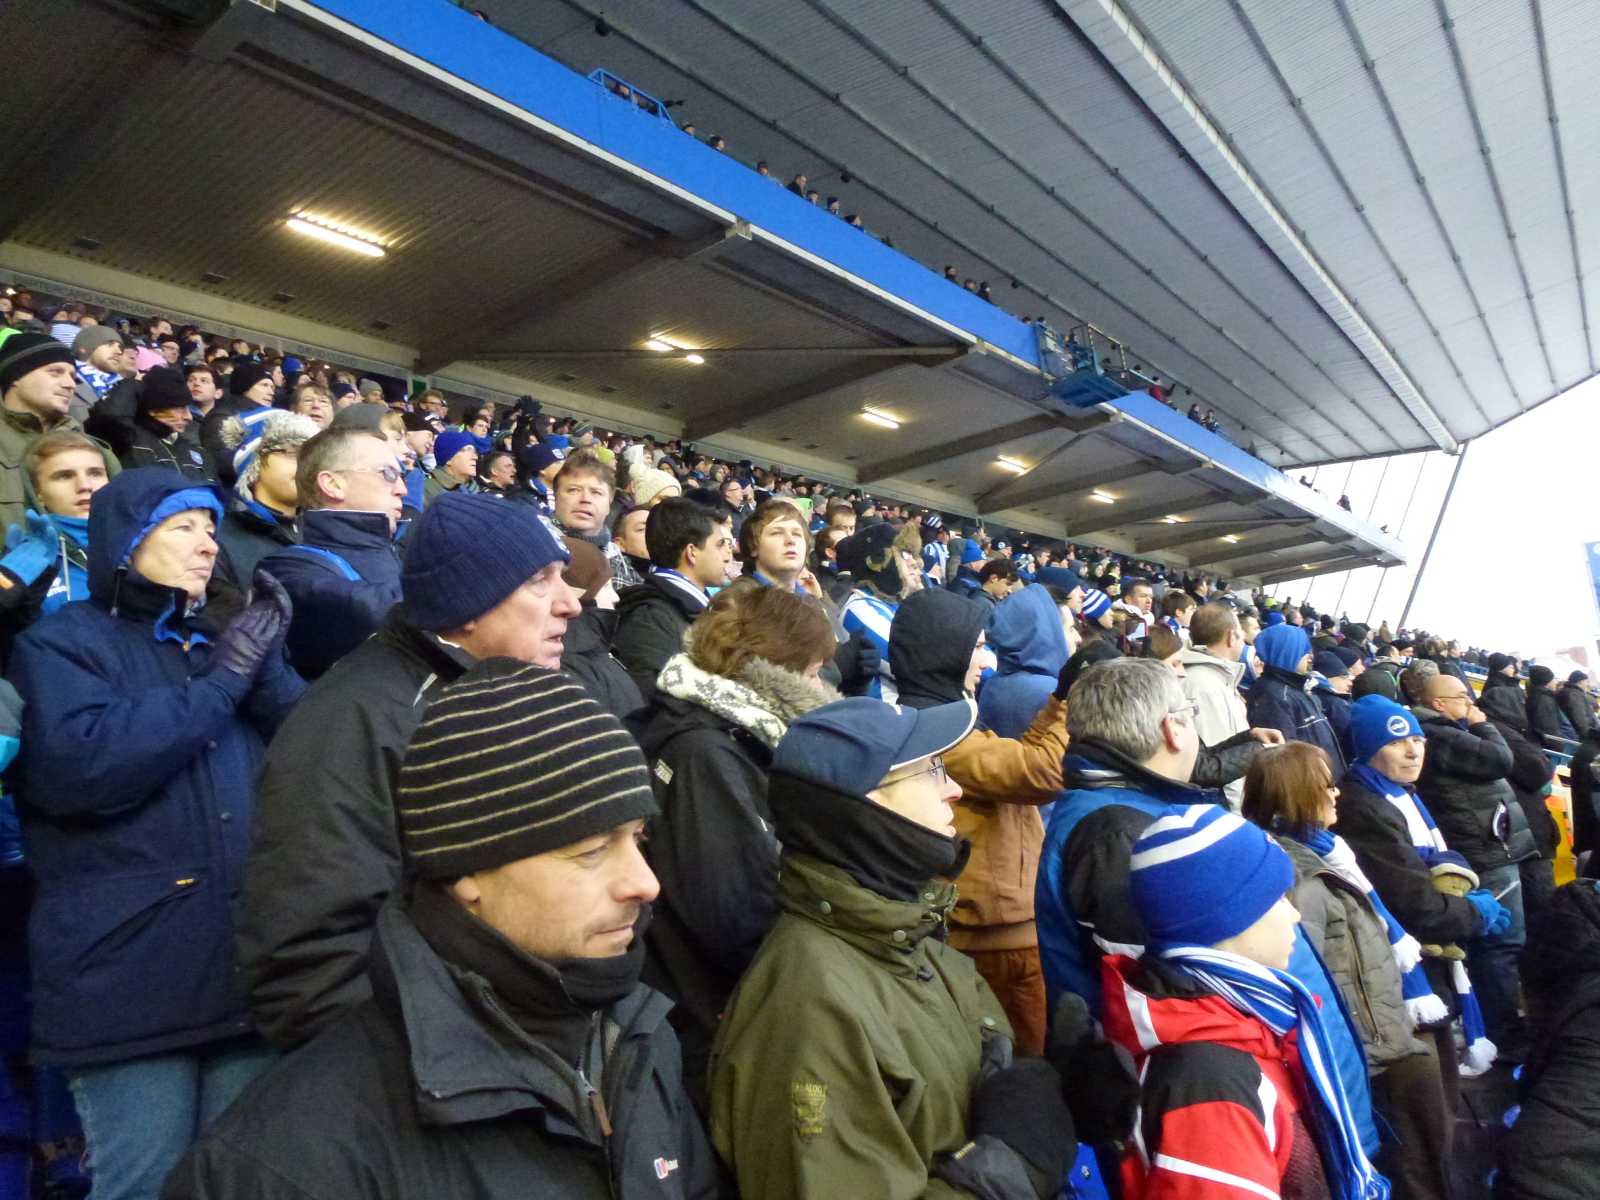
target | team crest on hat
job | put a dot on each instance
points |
(1398, 726)
(553, 532)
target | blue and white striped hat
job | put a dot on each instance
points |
(1201, 875)
(1096, 604)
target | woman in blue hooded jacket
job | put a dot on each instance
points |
(1281, 698)
(143, 732)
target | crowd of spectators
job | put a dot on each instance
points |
(417, 800)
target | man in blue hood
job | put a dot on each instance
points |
(144, 728)
(1030, 643)
(1281, 699)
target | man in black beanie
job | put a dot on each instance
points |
(37, 384)
(161, 436)
(482, 579)
(509, 1049)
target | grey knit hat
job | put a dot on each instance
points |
(513, 760)
(279, 430)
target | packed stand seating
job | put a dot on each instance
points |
(415, 799)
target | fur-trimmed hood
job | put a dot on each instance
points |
(763, 699)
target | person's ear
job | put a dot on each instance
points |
(1169, 733)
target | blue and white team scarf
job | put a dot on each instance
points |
(1282, 1003)
(1429, 842)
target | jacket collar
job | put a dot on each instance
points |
(468, 1060)
(1194, 658)
(343, 531)
(892, 931)
(1091, 765)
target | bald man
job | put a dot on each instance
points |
(1466, 785)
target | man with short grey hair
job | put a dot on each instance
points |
(1131, 749)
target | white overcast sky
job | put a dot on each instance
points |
(1508, 570)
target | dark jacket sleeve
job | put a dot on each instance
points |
(324, 858)
(647, 636)
(112, 419)
(332, 615)
(711, 848)
(1402, 882)
(1096, 864)
(1576, 708)
(1478, 752)
(1544, 715)
(1267, 711)
(104, 744)
(1551, 1152)
(215, 1170)
(1219, 765)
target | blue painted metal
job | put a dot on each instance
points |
(1174, 427)
(454, 41)
(646, 104)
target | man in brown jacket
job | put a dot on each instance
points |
(1003, 783)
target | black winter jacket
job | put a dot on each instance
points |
(1552, 1152)
(152, 445)
(586, 655)
(1377, 833)
(713, 849)
(250, 531)
(1585, 775)
(1546, 720)
(1576, 707)
(325, 853)
(1467, 787)
(429, 1090)
(651, 622)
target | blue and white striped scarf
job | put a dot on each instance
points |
(1428, 841)
(1282, 1003)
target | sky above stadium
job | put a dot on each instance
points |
(1508, 571)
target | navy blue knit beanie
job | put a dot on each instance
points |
(468, 552)
(1201, 875)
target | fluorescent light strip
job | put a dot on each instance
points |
(335, 237)
(1011, 464)
(1102, 498)
(879, 419)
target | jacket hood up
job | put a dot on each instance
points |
(1026, 634)
(125, 510)
(1283, 646)
(930, 643)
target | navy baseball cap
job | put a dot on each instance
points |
(850, 745)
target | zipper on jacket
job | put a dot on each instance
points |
(597, 1101)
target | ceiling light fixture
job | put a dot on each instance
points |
(883, 420)
(1011, 464)
(1230, 538)
(697, 359)
(1171, 519)
(336, 234)
(662, 344)
(657, 345)
(1102, 498)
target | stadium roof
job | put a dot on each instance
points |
(1372, 223)
(562, 243)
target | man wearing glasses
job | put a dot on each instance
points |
(344, 576)
(861, 1056)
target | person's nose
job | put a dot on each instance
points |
(638, 883)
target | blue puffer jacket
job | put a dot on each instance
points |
(1279, 699)
(1031, 646)
(343, 577)
(136, 785)
(1083, 904)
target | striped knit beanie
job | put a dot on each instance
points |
(1096, 604)
(511, 761)
(1201, 875)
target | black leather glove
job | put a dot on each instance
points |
(1095, 1084)
(1022, 1107)
(257, 631)
(858, 661)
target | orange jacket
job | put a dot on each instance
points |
(1003, 782)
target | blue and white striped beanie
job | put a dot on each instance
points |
(1096, 604)
(1201, 875)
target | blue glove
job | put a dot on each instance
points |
(1494, 916)
(29, 555)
